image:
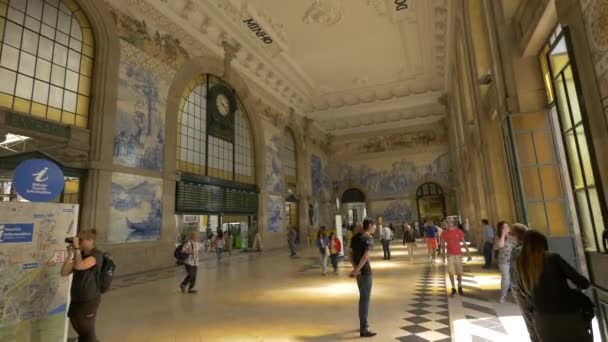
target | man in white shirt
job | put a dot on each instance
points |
(192, 248)
(386, 235)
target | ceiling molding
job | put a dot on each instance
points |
(372, 128)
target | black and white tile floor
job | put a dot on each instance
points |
(427, 316)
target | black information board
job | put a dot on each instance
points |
(196, 197)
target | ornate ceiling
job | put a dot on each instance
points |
(350, 65)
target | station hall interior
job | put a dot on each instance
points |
(251, 117)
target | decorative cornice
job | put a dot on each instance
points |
(323, 12)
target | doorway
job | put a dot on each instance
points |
(430, 201)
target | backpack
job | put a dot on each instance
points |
(108, 267)
(180, 257)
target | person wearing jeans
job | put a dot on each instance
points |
(488, 243)
(387, 236)
(323, 246)
(505, 245)
(359, 253)
(409, 238)
(192, 248)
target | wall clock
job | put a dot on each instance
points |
(221, 105)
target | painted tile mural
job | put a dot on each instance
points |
(136, 208)
(394, 211)
(140, 117)
(274, 180)
(401, 177)
(276, 206)
(148, 37)
(319, 175)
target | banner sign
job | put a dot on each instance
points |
(38, 180)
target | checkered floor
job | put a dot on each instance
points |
(427, 317)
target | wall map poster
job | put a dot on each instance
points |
(33, 295)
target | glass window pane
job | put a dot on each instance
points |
(46, 49)
(572, 96)
(16, 16)
(559, 225)
(573, 160)
(12, 34)
(18, 5)
(545, 149)
(536, 215)
(585, 156)
(9, 79)
(24, 87)
(34, 9)
(32, 24)
(69, 101)
(41, 92)
(56, 97)
(60, 55)
(47, 31)
(30, 41)
(562, 104)
(531, 183)
(586, 224)
(49, 16)
(525, 148)
(551, 180)
(43, 70)
(27, 64)
(64, 22)
(58, 75)
(597, 213)
(71, 81)
(73, 60)
(10, 57)
(559, 56)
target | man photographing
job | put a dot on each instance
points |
(360, 253)
(84, 261)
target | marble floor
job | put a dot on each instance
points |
(271, 297)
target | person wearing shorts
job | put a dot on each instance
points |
(453, 237)
(431, 235)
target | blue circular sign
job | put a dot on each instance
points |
(38, 180)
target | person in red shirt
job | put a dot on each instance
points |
(453, 237)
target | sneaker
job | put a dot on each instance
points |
(501, 300)
(192, 291)
(368, 334)
(183, 288)
(453, 292)
(460, 292)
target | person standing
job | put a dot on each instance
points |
(518, 231)
(409, 239)
(386, 237)
(219, 243)
(322, 243)
(560, 312)
(84, 261)
(192, 248)
(291, 240)
(453, 237)
(431, 234)
(335, 247)
(360, 254)
(349, 236)
(488, 243)
(505, 245)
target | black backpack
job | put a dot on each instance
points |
(108, 267)
(180, 257)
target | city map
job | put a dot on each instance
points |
(33, 295)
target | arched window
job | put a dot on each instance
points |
(289, 161)
(430, 201)
(46, 60)
(204, 154)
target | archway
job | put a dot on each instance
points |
(430, 201)
(353, 201)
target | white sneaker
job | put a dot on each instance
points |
(501, 300)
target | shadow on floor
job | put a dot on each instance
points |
(341, 336)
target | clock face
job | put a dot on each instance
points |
(222, 104)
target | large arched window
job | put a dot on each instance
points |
(46, 60)
(200, 153)
(289, 161)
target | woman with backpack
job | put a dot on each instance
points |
(335, 247)
(560, 312)
(84, 261)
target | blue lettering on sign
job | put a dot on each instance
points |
(31, 265)
(38, 180)
(16, 232)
